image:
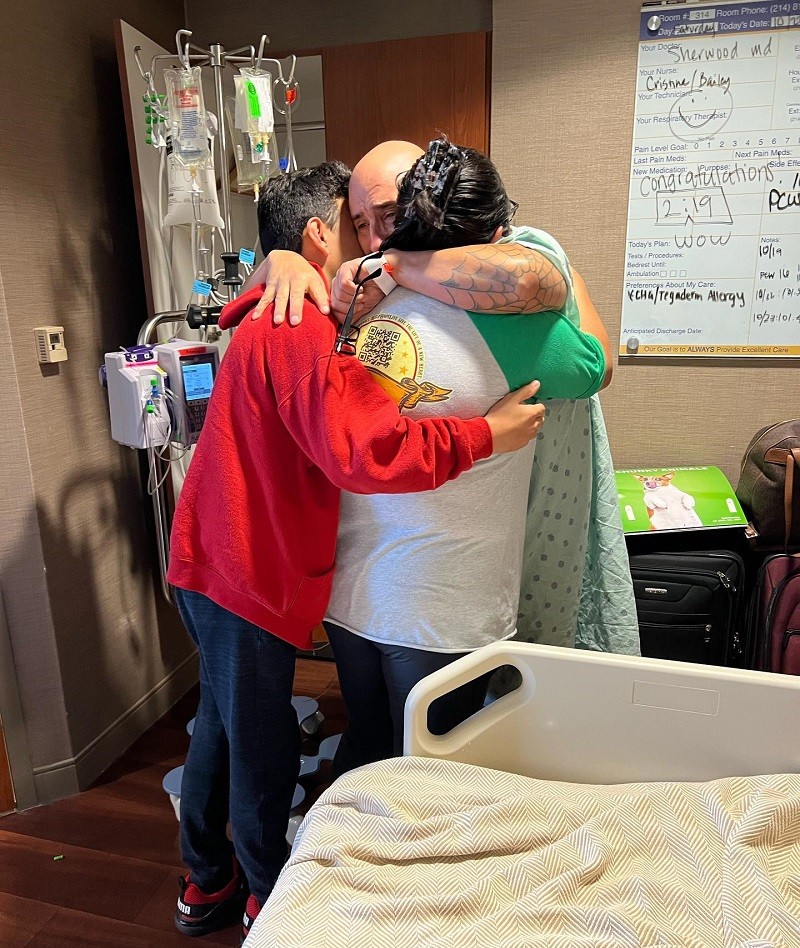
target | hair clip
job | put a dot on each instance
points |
(432, 169)
(450, 158)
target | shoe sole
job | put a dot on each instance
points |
(229, 913)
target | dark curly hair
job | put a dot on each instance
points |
(451, 197)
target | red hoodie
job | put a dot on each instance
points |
(289, 425)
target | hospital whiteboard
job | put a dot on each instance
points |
(713, 244)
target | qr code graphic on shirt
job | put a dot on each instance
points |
(378, 347)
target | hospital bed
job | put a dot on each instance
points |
(607, 801)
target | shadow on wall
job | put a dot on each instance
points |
(111, 635)
(114, 642)
(97, 268)
(24, 600)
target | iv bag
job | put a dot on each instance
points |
(254, 101)
(187, 117)
(191, 199)
(253, 113)
(251, 170)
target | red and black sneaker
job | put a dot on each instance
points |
(251, 911)
(200, 913)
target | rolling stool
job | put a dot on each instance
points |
(310, 720)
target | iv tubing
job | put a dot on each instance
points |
(167, 249)
(195, 252)
(217, 64)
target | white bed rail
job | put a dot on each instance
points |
(585, 717)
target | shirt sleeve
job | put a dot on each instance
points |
(546, 347)
(351, 429)
(568, 363)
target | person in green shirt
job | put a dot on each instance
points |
(454, 197)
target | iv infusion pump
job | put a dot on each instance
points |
(159, 394)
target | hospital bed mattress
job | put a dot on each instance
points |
(428, 852)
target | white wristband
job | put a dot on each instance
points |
(384, 281)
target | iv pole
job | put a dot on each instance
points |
(217, 59)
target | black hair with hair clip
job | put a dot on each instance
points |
(435, 171)
(451, 197)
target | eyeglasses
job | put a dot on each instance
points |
(342, 346)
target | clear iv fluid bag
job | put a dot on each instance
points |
(187, 117)
(191, 199)
(251, 170)
(253, 115)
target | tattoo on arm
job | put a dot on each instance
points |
(505, 278)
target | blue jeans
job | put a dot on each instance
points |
(375, 679)
(244, 755)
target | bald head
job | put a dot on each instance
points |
(373, 190)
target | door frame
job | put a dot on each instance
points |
(12, 722)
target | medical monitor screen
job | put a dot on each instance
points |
(198, 378)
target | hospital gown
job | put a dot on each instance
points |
(576, 586)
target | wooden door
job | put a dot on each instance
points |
(411, 89)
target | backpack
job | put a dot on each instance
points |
(769, 484)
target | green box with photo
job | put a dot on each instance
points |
(677, 498)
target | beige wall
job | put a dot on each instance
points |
(33, 685)
(562, 121)
(310, 24)
(96, 655)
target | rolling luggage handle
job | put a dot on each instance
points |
(790, 459)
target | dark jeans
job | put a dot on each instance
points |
(244, 755)
(375, 679)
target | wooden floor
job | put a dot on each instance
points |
(116, 884)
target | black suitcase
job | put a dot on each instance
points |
(688, 606)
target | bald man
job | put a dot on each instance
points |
(485, 278)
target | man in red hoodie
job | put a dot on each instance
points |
(289, 424)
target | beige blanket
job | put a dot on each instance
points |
(416, 853)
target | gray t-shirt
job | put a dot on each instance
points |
(438, 570)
